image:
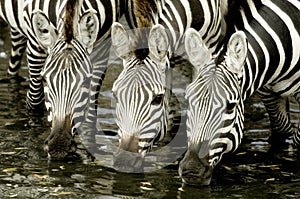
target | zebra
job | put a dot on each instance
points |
(262, 55)
(73, 83)
(59, 57)
(142, 90)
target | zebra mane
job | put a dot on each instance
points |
(144, 12)
(230, 17)
(69, 20)
(141, 10)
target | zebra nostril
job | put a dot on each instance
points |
(74, 132)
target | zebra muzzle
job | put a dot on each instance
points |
(60, 143)
(128, 162)
(194, 170)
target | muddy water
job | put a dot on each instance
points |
(254, 171)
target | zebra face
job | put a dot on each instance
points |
(215, 108)
(67, 75)
(67, 78)
(140, 95)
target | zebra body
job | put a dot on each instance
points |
(59, 45)
(268, 65)
(138, 121)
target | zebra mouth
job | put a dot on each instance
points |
(61, 153)
(194, 170)
(196, 176)
(128, 162)
(59, 147)
(196, 180)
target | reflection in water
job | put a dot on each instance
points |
(254, 171)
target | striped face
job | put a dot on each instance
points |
(141, 96)
(139, 93)
(215, 108)
(67, 77)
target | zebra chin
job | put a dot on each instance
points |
(194, 170)
(60, 143)
(128, 158)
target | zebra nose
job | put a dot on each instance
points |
(195, 171)
(128, 162)
(59, 144)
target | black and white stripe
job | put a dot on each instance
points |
(63, 57)
(17, 15)
(174, 17)
(215, 114)
(177, 16)
(74, 81)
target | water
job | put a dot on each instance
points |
(254, 171)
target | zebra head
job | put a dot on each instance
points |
(67, 75)
(215, 107)
(141, 96)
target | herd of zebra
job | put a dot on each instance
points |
(236, 47)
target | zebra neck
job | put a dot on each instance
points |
(212, 23)
(273, 44)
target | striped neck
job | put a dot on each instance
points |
(273, 43)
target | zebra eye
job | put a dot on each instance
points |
(231, 105)
(157, 100)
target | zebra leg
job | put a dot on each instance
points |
(278, 110)
(35, 95)
(18, 46)
(99, 59)
(296, 136)
(97, 79)
(89, 128)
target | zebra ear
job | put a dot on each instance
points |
(158, 42)
(120, 40)
(197, 52)
(88, 29)
(44, 31)
(237, 49)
